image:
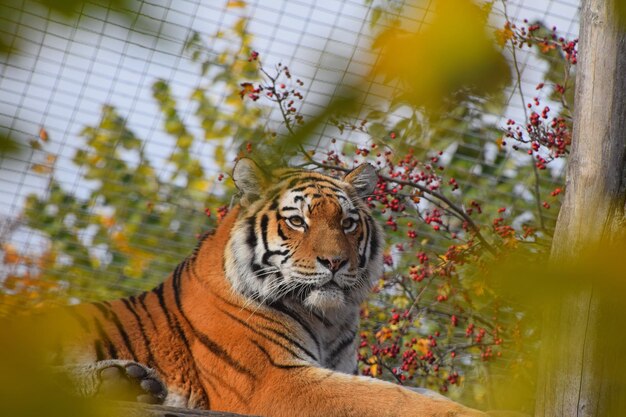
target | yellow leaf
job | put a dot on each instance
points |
(41, 169)
(240, 26)
(504, 35)
(374, 369)
(384, 334)
(199, 184)
(499, 142)
(401, 302)
(235, 4)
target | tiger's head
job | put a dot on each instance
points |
(305, 236)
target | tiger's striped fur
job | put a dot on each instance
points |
(262, 318)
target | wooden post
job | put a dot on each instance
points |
(576, 375)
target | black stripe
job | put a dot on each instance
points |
(280, 232)
(277, 333)
(274, 364)
(268, 253)
(255, 269)
(291, 184)
(104, 310)
(223, 384)
(219, 351)
(301, 188)
(142, 302)
(289, 208)
(333, 188)
(120, 329)
(374, 239)
(98, 348)
(367, 232)
(211, 345)
(201, 240)
(256, 312)
(112, 352)
(142, 330)
(176, 279)
(341, 346)
(279, 306)
(251, 238)
(158, 290)
(171, 322)
(264, 222)
(285, 259)
(323, 319)
(175, 326)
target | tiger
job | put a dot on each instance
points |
(262, 318)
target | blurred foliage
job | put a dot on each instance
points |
(457, 190)
(451, 55)
(28, 387)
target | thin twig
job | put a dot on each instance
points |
(518, 75)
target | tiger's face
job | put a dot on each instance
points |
(307, 236)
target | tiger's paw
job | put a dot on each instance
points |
(130, 381)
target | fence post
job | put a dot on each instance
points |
(575, 378)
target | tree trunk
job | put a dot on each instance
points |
(580, 360)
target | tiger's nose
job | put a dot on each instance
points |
(333, 264)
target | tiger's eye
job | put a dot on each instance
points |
(348, 223)
(296, 221)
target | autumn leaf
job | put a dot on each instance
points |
(41, 169)
(247, 88)
(422, 345)
(504, 35)
(232, 4)
(43, 134)
(10, 254)
(500, 142)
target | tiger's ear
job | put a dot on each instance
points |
(363, 178)
(249, 179)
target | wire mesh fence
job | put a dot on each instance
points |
(141, 71)
(65, 70)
